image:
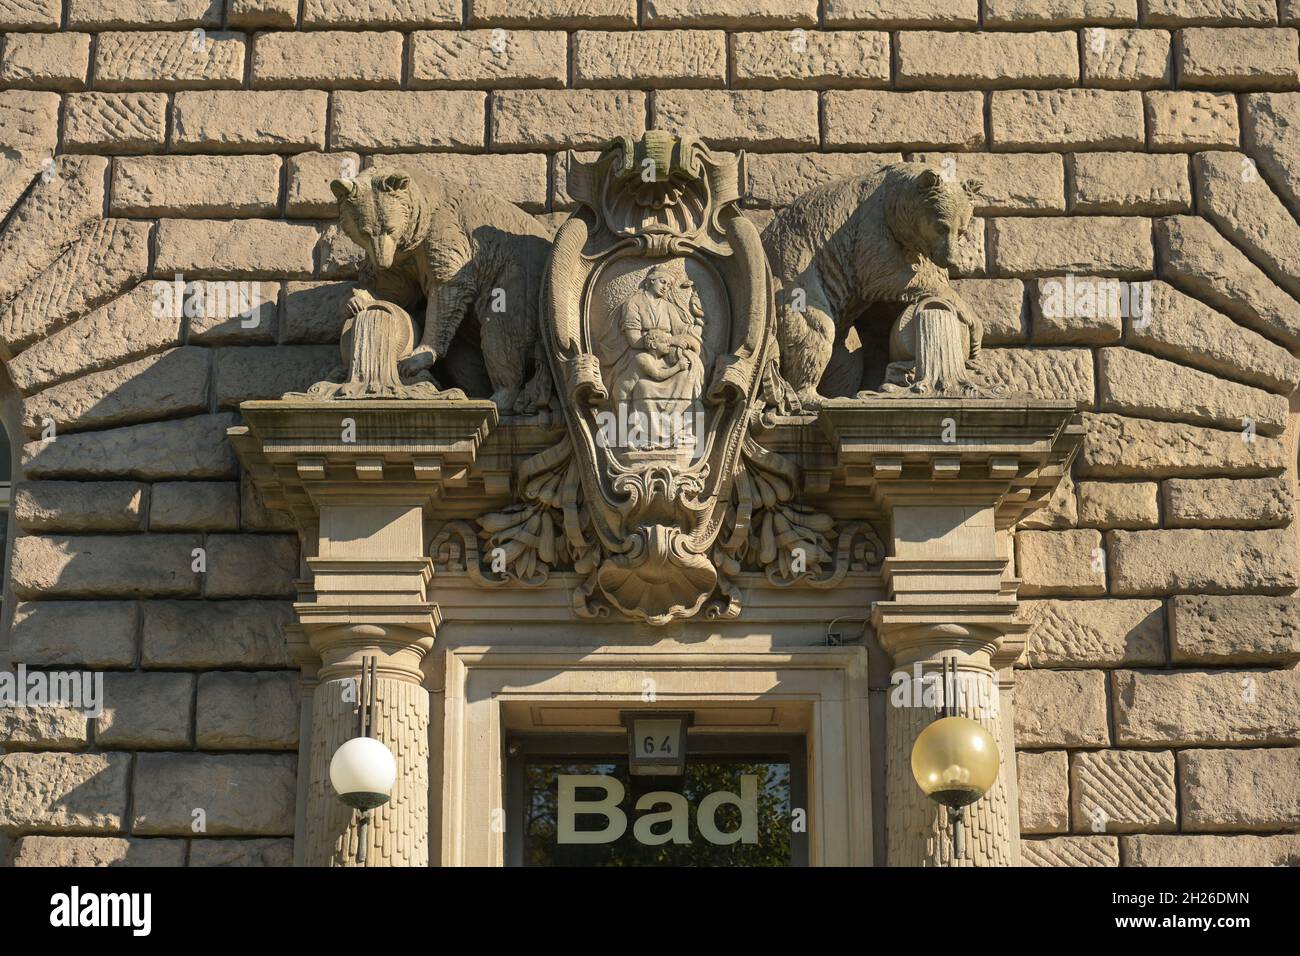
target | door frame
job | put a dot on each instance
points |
(828, 683)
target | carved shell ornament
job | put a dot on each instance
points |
(658, 325)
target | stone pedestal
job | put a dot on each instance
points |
(360, 478)
(953, 476)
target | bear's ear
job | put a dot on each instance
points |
(972, 187)
(395, 181)
(343, 188)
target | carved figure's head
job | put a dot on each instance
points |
(938, 214)
(375, 210)
(659, 282)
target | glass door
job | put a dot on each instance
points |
(572, 802)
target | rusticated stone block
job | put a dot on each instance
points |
(815, 59)
(1125, 59)
(477, 59)
(552, 13)
(1212, 851)
(1196, 258)
(657, 59)
(1044, 791)
(1001, 304)
(1057, 709)
(327, 60)
(519, 178)
(1267, 123)
(47, 851)
(1071, 851)
(1104, 633)
(243, 565)
(75, 793)
(238, 794)
(46, 61)
(188, 448)
(260, 852)
(1189, 332)
(203, 634)
(228, 312)
(1242, 58)
(166, 385)
(1052, 120)
(1122, 791)
(235, 247)
(962, 60)
(43, 728)
(1214, 562)
(878, 119)
(1228, 502)
(1026, 13)
(1131, 183)
(103, 565)
(29, 125)
(1183, 121)
(1190, 708)
(313, 311)
(1134, 383)
(269, 372)
(729, 13)
(115, 123)
(1080, 310)
(1186, 13)
(1012, 183)
(30, 14)
(1045, 373)
(194, 506)
(381, 13)
(1038, 246)
(1061, 562)
(556, 119)
(1240, 789)
(260, 14)
(218, 186)
(1119, 447)
(309, 178)
(225, 122)
(94, 634)
(145, 712)
(901, 13)
(78, 505)
(735, 119)
(54, 212)
(105, 260)
(1220, 629)
(243, 711)
(166, 60)
(1118, 504)
(1237, 199)
(116, 14)
(389, 121)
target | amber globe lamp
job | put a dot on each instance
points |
(955, 761)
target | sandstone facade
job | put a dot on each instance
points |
(1147, 151)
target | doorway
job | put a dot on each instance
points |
(571, 801)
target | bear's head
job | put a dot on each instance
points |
(934, 214)
(375, 210)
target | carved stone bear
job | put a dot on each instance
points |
(465, 255)
(883, 237)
